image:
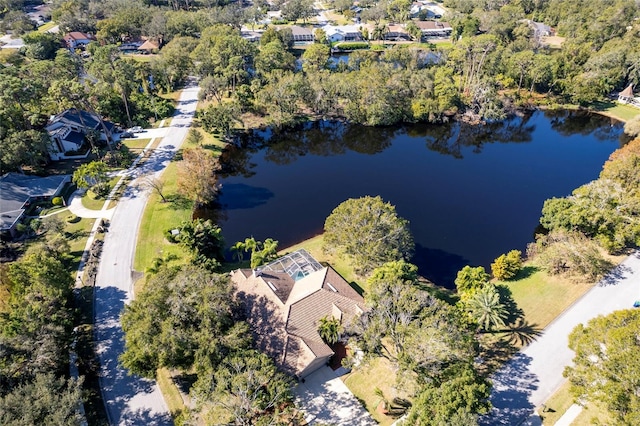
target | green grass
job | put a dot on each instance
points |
(556, 405)
(560, 402)
(171, 393)
(543, 297)
(616, 110)
(159, 217)
(363, 380)
(135, 143)
(92, 201)
(46, 27)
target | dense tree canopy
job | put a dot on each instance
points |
(606, 364)
(181, 319)
(369, 231)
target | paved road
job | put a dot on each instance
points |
(131, 400)
(535, 373)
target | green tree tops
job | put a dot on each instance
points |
(329, 329)
(91, 175)
(607, 364)
(369, 232)
(507, 266)
(469, 280)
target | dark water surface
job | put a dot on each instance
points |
(470, 193)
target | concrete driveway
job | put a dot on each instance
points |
(535, 373)
(131, 400)
(325, 399)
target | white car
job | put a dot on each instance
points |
(136, 129)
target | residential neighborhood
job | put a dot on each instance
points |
(306, 213)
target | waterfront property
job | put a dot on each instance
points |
(284, 302)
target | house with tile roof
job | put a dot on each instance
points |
(76, 39)
(284, 302)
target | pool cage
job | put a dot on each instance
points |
(297, 265)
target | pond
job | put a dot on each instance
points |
(470, 193)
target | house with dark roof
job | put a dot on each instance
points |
(284, 302)
(18, 191)
(434, 28)
(301, 34)
(68, 130)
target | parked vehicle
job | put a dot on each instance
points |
(126, 134)
(135, 129)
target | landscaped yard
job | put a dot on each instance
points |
(616, 110)
(136, 144)
(560, 402)
(159, 217)
(92, 201)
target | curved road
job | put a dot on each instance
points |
(131, 400)
(535, 373)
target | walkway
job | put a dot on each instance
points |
(131, 400)
(535, 373)
(325, 399)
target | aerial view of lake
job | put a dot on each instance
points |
(470, 193)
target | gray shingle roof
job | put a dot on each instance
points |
(17, 189)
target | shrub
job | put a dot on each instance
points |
(57, 201)
(507, 266)
(72, 218)
(632, 126)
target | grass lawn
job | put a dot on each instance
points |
(560, 402)
(377, 373)
(92, 201)
(170, 393)
(616, 110)
(136, 144)
(46, 27)
(159, 217)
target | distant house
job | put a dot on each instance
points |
(130, 47)
(284, 302)
(627, 96)
(343, 33)
(539, 29)
(68, 131)
(18, 191)
(77, 39)
(434, 28)
(149, 46)
(396, 33)
(251, 35)
(301, 34)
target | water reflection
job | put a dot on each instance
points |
(473, 194)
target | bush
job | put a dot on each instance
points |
(352, 46)
(72, 218)
(507, 266)
(57, 201)
(632, 126)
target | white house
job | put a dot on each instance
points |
(68, 129)
(343, 33)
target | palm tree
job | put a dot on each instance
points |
(329, 330)
(238, 251)
(487, 310)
